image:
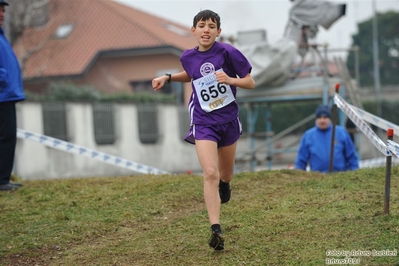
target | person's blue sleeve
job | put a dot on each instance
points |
(3, 77)
(350, 153)
(303, 155)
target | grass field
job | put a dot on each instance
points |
(283, 217)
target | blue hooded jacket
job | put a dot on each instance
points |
(11, 87)
(315, 149)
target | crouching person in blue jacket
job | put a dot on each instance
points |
(315, 146)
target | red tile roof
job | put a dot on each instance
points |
(99, 25)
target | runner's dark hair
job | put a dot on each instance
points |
(206, 14)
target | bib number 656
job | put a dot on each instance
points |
(213, 92)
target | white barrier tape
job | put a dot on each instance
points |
(393, 147)
(367, 131)
(377, 162)
(375, 120)
(76, 149)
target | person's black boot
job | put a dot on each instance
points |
(7, 187)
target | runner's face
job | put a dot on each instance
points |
(206, 33)
(323, 122)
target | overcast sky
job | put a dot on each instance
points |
(271, 15)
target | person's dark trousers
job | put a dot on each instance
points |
(8, 140)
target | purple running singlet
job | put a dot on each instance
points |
(212, 103)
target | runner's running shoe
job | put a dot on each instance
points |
(224, 192)
(216, 240)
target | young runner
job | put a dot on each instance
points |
(215, 70)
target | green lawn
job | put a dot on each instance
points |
(284, 217)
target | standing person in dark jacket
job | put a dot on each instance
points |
(11, 91)
(315, 146)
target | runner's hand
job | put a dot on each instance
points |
(223, 78)
(157, 83)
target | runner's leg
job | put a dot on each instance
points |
(208, 156)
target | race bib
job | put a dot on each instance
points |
(211, 94)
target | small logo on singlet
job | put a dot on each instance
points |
(217, 103)
(207, 68)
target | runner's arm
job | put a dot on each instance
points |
(246, 82)
(159, 82)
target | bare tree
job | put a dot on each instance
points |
(26, 13)
(21, 15)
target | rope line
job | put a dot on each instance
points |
(93, 154)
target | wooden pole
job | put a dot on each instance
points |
(334, 115)
(388, 167)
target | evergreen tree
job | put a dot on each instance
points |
(388, 41)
